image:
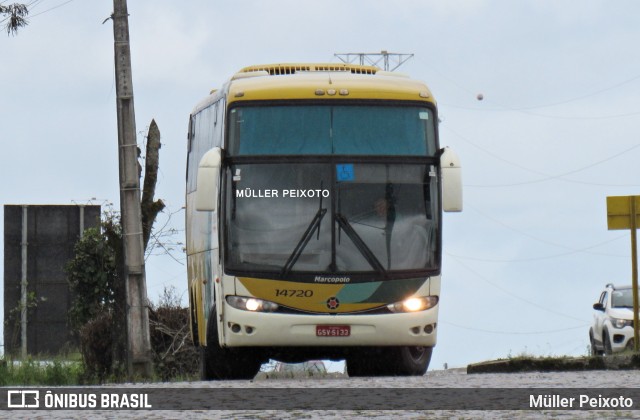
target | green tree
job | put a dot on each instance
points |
(94, 271)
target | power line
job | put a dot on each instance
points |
(521, 260)
(536, 114)
(547, 105)
(513, 332)
(547, 177)
(33, 5)
(580, 97)
(50, 9)
(510, 293)
(544, 241)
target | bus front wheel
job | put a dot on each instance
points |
(220, 363)
(413, 361)
(390, 361)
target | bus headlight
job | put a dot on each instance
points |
(414, 304)
(251, 304)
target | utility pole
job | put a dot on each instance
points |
(385, 58)
(137, 316)
(24, 245)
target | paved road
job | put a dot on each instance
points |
(437, 381)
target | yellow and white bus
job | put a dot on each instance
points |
(313, 221)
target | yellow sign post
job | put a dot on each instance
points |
(622, 213)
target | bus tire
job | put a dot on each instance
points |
(362, 365)
(390, 361)
(412, 360)
(219, 363)
(376, 361)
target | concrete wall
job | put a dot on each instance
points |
(52, 232)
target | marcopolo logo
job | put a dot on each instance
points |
(23, 399)
(326, 279)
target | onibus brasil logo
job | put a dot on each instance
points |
(32, 398)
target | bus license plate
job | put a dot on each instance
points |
(333, 330)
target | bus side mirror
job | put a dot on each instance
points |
(208, 179)
(451, 181)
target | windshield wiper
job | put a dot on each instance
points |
(359, 243)
(302, 243)
(293, 258)
(389, 198)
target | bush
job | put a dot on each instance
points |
(174, 355)
(96, 346)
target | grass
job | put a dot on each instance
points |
(68, 371)
(36, 372)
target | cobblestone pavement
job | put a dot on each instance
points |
(437, 379)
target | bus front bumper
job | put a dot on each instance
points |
(245, 328)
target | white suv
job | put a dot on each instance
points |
(612, 328)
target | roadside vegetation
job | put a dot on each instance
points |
(627, 360)
(175, 358)
(35, 372)
(174, 355)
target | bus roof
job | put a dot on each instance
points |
(323, 81)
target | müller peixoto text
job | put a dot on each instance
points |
(582, 401)
(270, 193)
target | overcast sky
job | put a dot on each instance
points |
(557, 132)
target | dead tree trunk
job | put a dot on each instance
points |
(149, 207)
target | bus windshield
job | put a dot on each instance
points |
(373, 130)
(328, 219)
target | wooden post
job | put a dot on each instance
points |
(138, 340)
(634, 270)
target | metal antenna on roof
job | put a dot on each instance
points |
(382, 59)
